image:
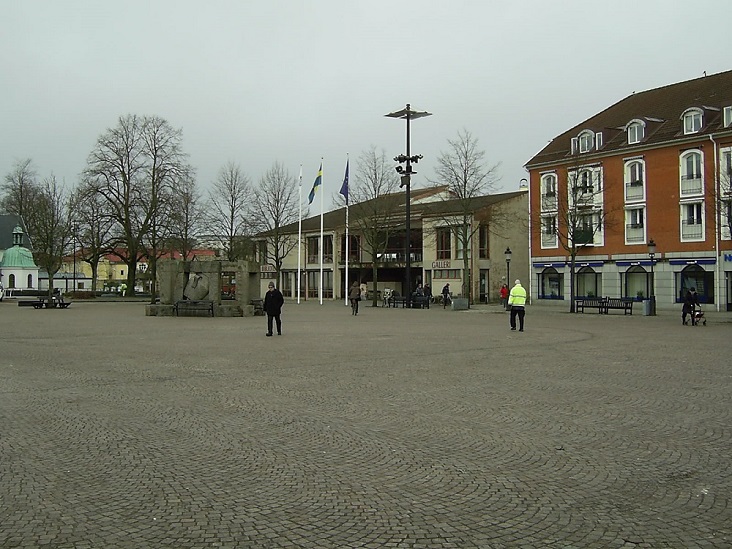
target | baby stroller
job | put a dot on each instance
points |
(698, 316)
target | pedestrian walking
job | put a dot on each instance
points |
(445, 295)
(354, 296)
(272, 305)
(504, 296)
(691, 302)
(517, 302)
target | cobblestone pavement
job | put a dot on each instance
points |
(395, 428)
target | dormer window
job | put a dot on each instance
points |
(635, 131)
(692, 121)
(585, 142)
(727, 117)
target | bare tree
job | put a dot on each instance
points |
(275, 204)
(577, 219)
(188, 217)
(51, 228)
(21, 191)
(93, 228)
(133, 166)
(462, 168)
(374, 205)
(227, 209)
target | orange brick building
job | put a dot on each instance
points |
(653, 168)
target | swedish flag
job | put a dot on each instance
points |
(316, 184)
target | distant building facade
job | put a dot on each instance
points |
(654, 168)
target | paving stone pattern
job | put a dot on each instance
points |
(397, 428)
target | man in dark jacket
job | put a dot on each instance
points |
(272, 305)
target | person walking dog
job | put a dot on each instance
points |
(517, 302)
(273, 301)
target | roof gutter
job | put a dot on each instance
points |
(618, 152)
(717, 228)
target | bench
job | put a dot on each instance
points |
(35, 303)
(580, 303)
(624, 304)
(45, 302)
(396, 300)
(420, 302)
(258, 305)
(194, 305)
(57, 301)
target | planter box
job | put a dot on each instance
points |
(459, 303)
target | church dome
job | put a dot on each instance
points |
(18, 257)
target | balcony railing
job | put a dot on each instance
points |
(548, 240)
(634, 190)
(691, 184)
(549, 202)
(634, 233)
(690, 230)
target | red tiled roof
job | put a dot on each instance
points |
(661, 109)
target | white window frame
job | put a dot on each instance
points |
(726, 219)
(549, 238)
(698, 219)
(635, 131)
(549, 185)
(595, 226)
(586, 141)
(725, 170)
(635, 225)
(598, 140)
(687, 181)
(693, 121)
(727, 116)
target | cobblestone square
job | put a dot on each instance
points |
(395, 428)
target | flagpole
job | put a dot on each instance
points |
(345, 186)
(299, 237)
(322, 192)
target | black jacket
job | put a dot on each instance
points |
(273, 302)
(691, 302)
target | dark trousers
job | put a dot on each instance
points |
(354, 305)
(269, 323)
(691, 315)
(520, 312)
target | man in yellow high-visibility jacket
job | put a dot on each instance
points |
(517, 302)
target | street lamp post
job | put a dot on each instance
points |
(73, 289)
(652, 296)
(406, 174)
(507, 253)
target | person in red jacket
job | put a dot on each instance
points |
(504, 296)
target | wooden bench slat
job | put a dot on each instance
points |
(193, 305)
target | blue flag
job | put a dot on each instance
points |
(316, 184)
(344, 187)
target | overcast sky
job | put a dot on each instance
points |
(256, 82)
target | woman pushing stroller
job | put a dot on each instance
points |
(691, 304)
